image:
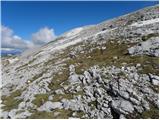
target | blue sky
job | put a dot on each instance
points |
(26, 18)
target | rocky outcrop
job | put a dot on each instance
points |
(149, 47)
(122, 95)
(119, 93)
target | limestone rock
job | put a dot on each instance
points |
(48, 106)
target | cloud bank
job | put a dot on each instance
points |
(44, 35)
(9, 40)
(12, 41)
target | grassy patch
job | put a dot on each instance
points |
(59, 97)
(40, 99)
(148, 36)
(80, 114)
(63, 114)
(37, 76)
(21, 67)
(153, 113)
(149, 64)
(20, 111)
(11, 102)
(97, 57)
(26, 64)
(121, 74)
(105, 58)
(93, 103)
(41, 115)
(57, 79)
(155, 88)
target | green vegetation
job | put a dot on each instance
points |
(11, 102)
(121, 74)
(40, 99)
(41, 115)
(93, 103)
(21, 67)
(148, 36)
(153, 113)
(58, 79)
(59, 97)
(20, 111)
(26, 64)
(68, 96)
(155, 88)
(49, 62)
(55, 40)
(37, 76)
(80, 114)
(149, 64)
(97, 57)
(106, 58)
(63, 114)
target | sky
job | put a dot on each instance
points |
(29, 23)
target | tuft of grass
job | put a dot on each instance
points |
(153, 113)
(21, 67)
(121, 74)
(93, 103)
(64, 114)
(59, 97)
(155, 88)
(37, 76)
(40, 99)
(57, 79)
(80, 114)
(149, 64)
(25, 65)
(20, 111)
(148, 36)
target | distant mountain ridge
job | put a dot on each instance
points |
(10, 52)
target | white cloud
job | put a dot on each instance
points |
(44, 35)
(10, 40)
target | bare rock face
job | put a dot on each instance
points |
(149, 47)
(48, 106)
(122, 106)
(104, 71)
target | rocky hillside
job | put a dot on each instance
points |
(108, 70)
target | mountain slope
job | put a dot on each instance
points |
(108, 70)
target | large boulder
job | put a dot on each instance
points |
(122, 106)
